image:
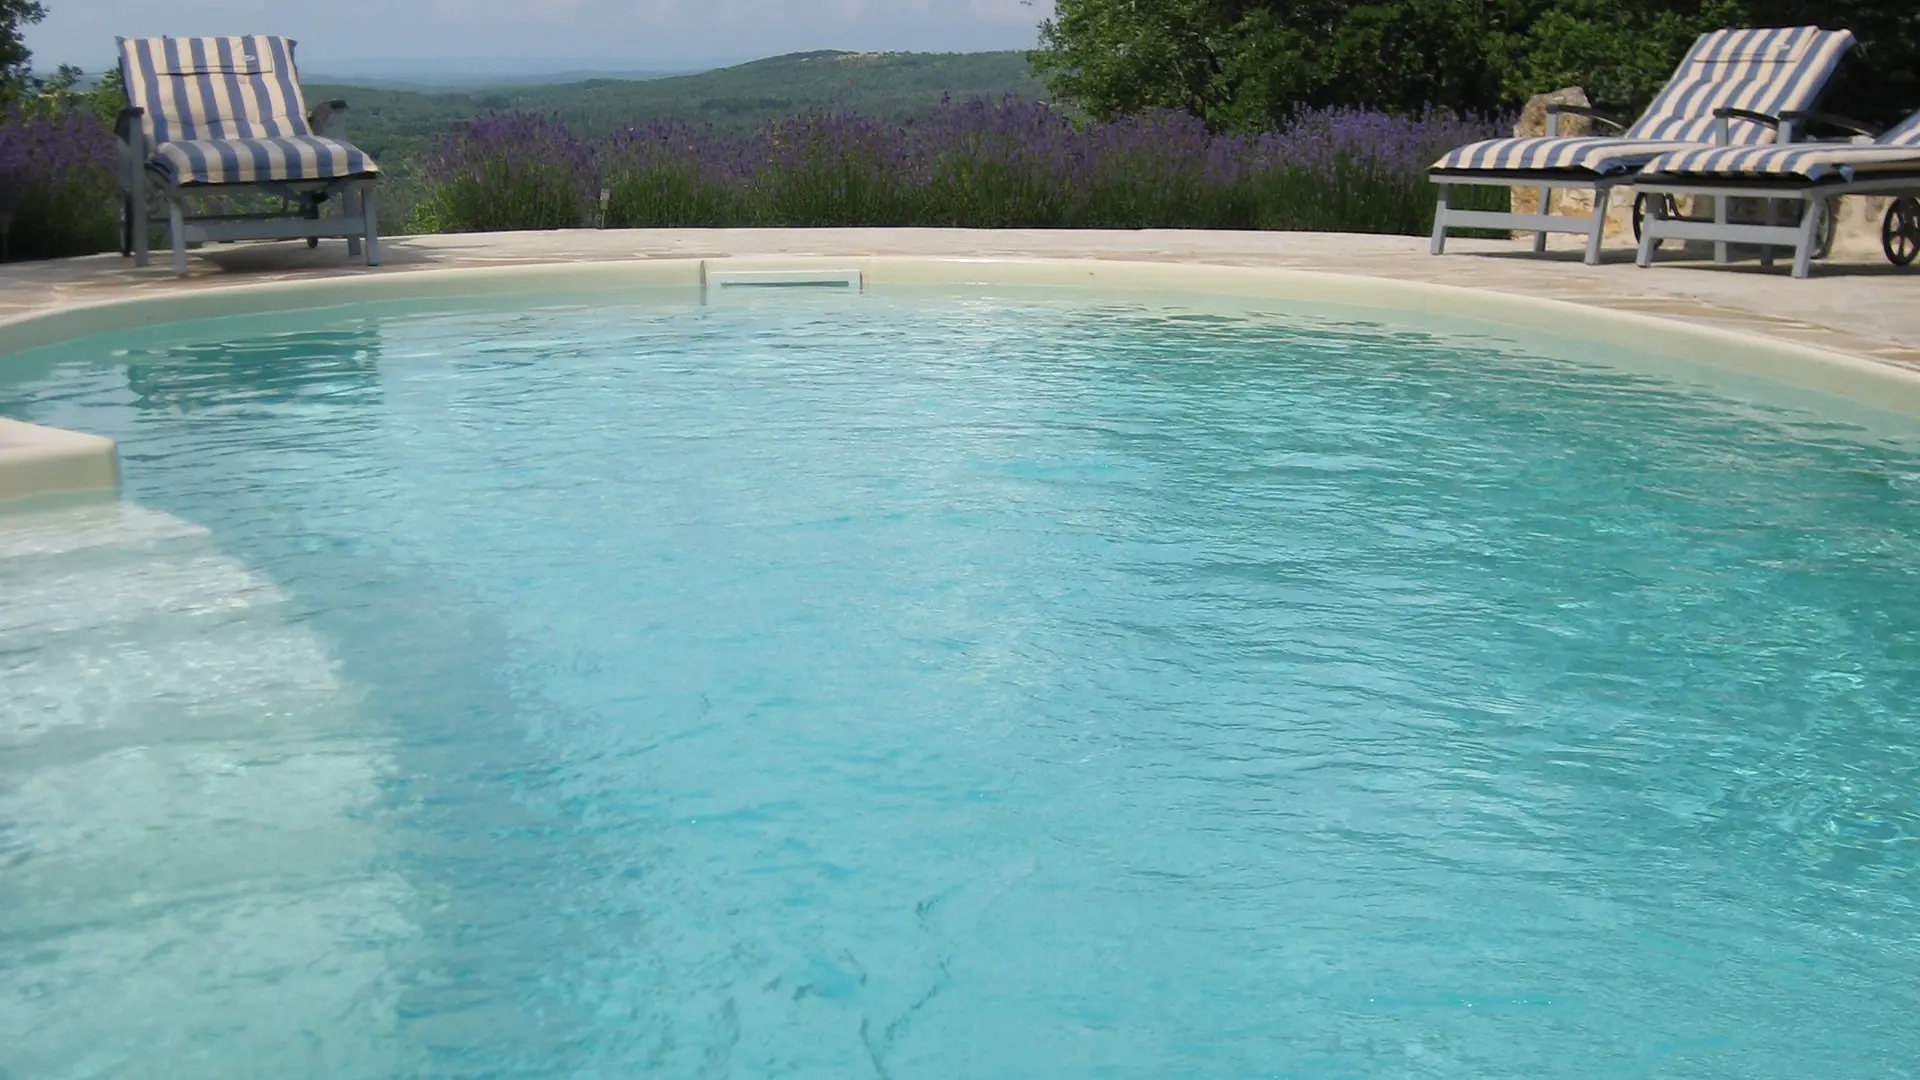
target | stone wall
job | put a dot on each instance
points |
(1573, 203)
(1859, 231)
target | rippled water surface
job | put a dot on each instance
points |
(934, 687)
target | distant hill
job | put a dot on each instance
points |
(881, 85)
(441, 84)
(397, 126)
(473, 73)
(392, 122)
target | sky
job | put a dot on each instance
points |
(629, 34)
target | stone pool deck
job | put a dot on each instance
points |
(1853, 304)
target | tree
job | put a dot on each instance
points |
(1880, 82)
(15, 16)
(1248, 63)
(1621, 53)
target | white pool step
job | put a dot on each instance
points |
(190, 816)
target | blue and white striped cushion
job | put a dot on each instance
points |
(229, 110)
(1767, 71)
(291, 158)
(1763, 70)
(1596, 154)
(1896, 150)
(1905, 133)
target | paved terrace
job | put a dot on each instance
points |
(1852, 304)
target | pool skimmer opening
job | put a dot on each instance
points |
(712, 281)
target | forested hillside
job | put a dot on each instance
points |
(398, 125)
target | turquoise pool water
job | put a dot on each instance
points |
(923, 686)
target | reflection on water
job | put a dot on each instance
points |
(339, 366)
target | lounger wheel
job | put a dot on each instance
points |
(313, 241)
(1829, 211)
(1667, 209)
(1900, 231)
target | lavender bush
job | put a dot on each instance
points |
(508, 171)
(1007, 164)
(979, 164)
(674, 175)
(56, 181)
(1349, 170)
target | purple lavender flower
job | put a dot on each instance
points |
(56, 181)
(977, 163)
(1006, 163)
(512, 170)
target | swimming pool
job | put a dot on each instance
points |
(1011, 684)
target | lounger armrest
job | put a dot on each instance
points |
(1590, 113)
(318, 116)
(1768, 119)
(1831, 120)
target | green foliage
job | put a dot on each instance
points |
(1242, 64)
(974, 165)
(1881, 81)
(15, 16)
(505, 195)
(881, 86)
(670, 195)
(1620, 53)
(57, 187)
(72, 217)
(106, 97)
(56, 165)
(62, 92)
(1352, 196)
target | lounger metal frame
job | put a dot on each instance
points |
(1815, 202)
(1724, 74)
(355, 214)
(1593, 226)
(1542, 221)
(216, 116)
(1817, 198)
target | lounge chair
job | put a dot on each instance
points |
(1727, 72)
(1811, 174)
(224, 116)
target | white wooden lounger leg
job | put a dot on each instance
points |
(350, 208)
(1546, 193)
(177, 232)
(1440, 222)
(1596, 229)
(1720, 219)
(1772, 219)
(370, 220)
(1809, 235)
(1649, 242)
(141, 213)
